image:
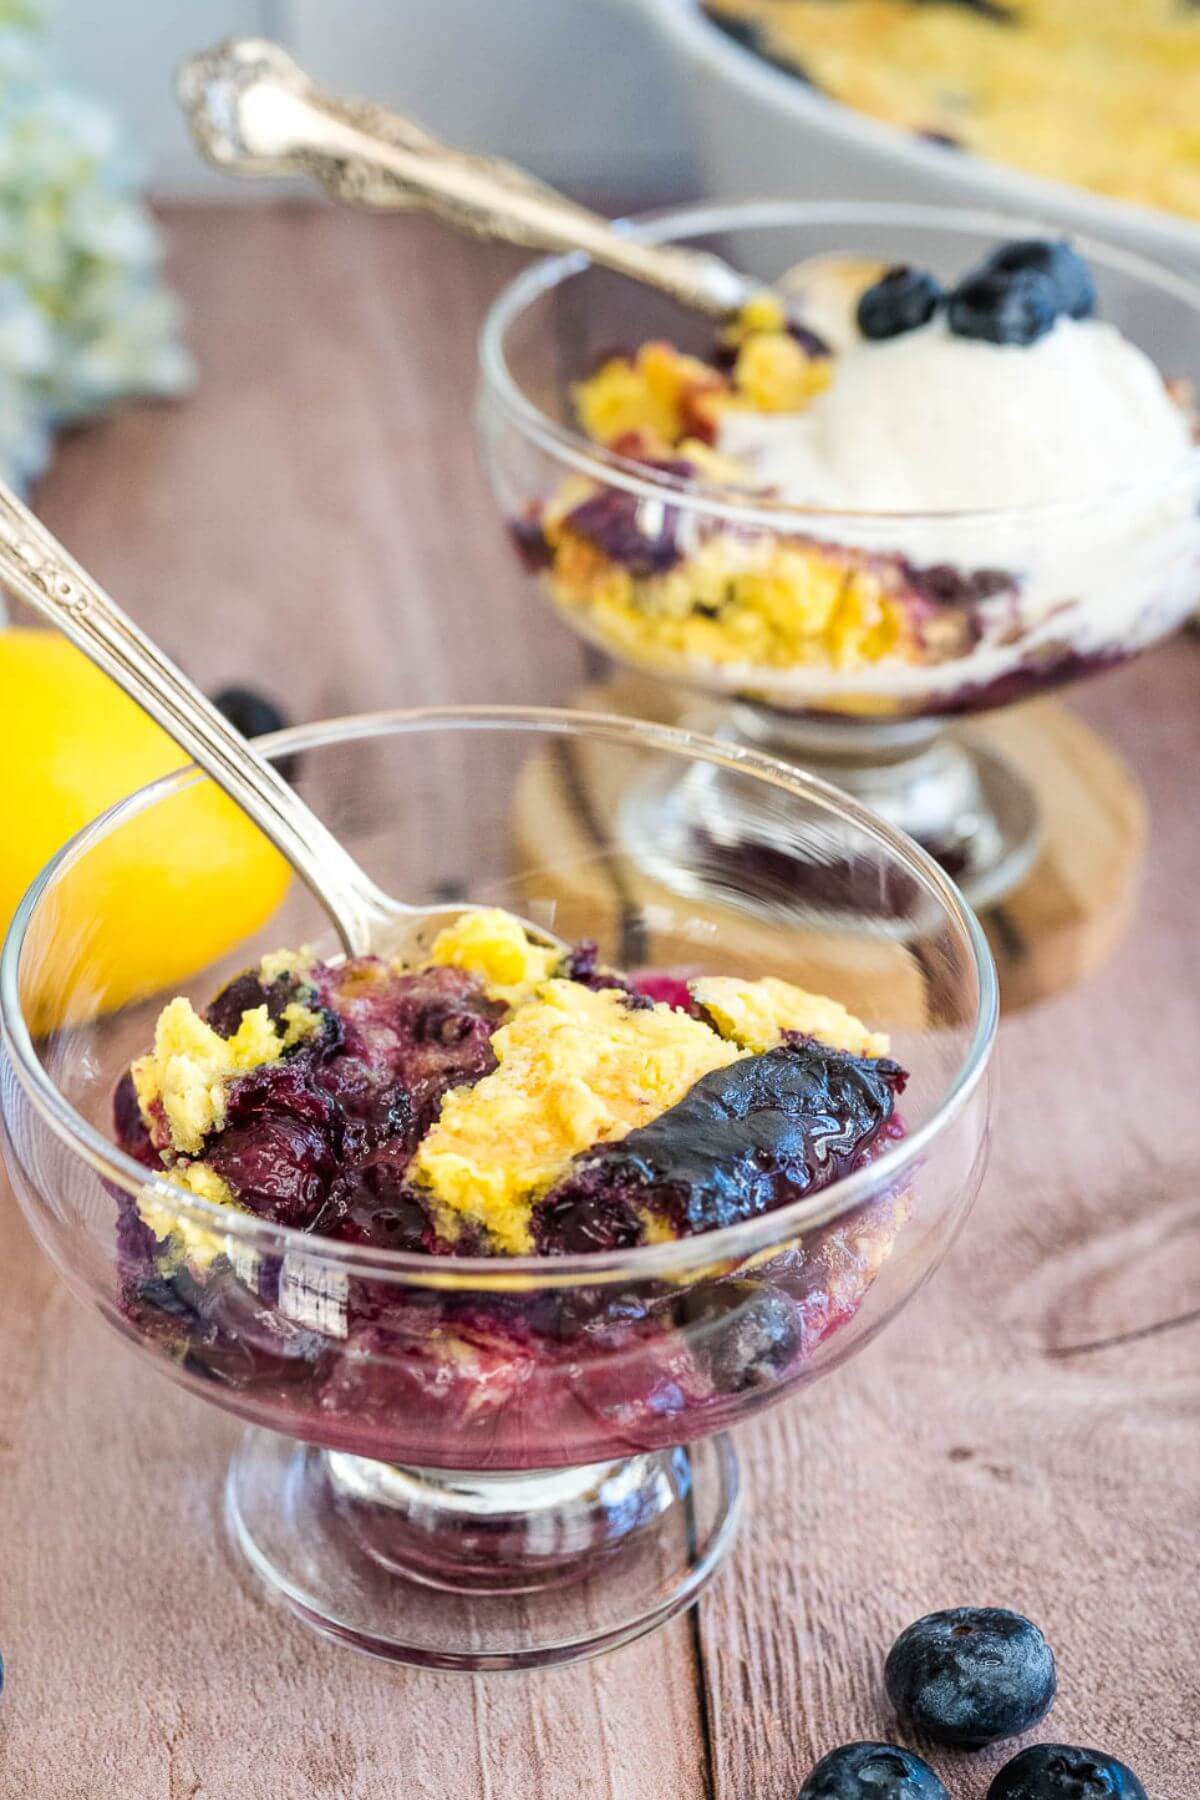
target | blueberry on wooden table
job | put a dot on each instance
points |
(249, 711)
(872, 1772)
(1072, 279)
(971, 1675)
(254, 716)
(1065, 1772)
(901, 300)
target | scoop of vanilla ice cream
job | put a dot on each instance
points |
(933, 422)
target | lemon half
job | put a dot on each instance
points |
(161, 897)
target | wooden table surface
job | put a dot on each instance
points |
(1025, 1435)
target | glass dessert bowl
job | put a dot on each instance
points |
(464, 1451)
(850, 542)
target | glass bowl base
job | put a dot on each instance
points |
(492, 1571)
(965, 804)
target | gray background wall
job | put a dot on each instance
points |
(577, 89)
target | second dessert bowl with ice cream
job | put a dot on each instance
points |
(959, 471)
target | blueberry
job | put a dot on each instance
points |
(129, 1125)
(254, 716)
(1062, 1772)
(529, 536)
(744, 1332)
(1016, 307)
(582, 964)
(252, 713)
(899, 301)
(1073, 283)
(642, 538)
(971, 1675)
(744, 1139)
(989, 9)
(244, 994)
(945, 585)
(811, 342)
(872, 1772)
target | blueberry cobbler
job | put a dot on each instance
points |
(1102, 96)
(500, 1099)
(914, 425)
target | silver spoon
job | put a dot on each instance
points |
(253, 111)
(36, 568)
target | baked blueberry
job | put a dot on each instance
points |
(529, 536)
(809, 340)
(642, 538)
(130, 1127)
(744, 1332)
(1063, 1772)
(971, 1675)
(1071, 276)
(872, 1772)
(942, 584)
(901, 300)
(1004, 307)
(243, 994)
(582, 963)
(725, 351)
(746, 1138)
(989, 9)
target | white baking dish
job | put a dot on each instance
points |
(762, 133)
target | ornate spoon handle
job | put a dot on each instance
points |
(35, 567)
(253, 111)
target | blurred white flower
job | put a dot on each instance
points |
(26, 340)
(112, 229)
(85, 320)
(25, 435)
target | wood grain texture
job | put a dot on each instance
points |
(1027, 1434)
(1062, 922)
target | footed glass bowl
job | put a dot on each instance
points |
(974, 609)
(495, 1463)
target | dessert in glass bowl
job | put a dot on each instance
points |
(960, 470)
(1100, 96)
(492, 1248)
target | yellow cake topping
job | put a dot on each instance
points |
(287, 964)
(650, 395)
(1101, 95)
(762, 603)
(495, 946)
(773, 373)
(763, 311)
(664, 397)
(191, 1242)
(191, 1064)
(576, 1068)
(756, 1014)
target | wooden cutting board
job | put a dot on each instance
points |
(1058, 926)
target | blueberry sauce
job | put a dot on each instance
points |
(321, 1141)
